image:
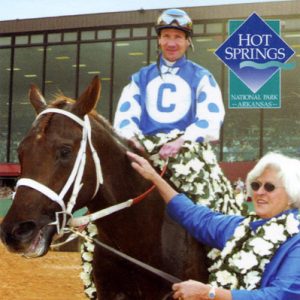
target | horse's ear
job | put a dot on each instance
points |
(88, 99)
(36, 98)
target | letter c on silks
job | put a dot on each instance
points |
(168, 99)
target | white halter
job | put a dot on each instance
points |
(76, 174)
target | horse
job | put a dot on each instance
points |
(47, 155)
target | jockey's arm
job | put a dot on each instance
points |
(210, 112)
(128, 112)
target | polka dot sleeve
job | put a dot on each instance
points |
(210, 112)
(127, 116)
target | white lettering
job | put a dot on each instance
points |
(254, 40)
(254, 53)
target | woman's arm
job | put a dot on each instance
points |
(206, 226)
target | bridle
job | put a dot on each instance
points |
(76, 174)
(75, 178)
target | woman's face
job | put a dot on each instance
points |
(268, 204)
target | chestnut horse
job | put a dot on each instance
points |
(47, 155)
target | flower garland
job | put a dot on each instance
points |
(196, 172)
(87, 253)
(246, 254)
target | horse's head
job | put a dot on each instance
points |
(48, 157)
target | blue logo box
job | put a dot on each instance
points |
(254, 53)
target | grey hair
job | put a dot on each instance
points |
(288, 172)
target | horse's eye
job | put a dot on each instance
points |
(65, 152)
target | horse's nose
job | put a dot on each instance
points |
(24, 230)
(20, 232)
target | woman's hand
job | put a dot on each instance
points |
(190, 290)
(142, 166)
(196, 290)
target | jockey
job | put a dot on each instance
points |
(173, 109)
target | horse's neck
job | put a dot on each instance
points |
(121, 181)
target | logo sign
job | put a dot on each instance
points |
(255, 54)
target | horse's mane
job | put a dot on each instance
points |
(127, 144)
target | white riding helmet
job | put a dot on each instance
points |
(174, 18)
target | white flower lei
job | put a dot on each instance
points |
(87, 253)
(195, 172)
(246, 254)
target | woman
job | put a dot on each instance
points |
(260, 256)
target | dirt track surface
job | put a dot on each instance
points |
(52, 277)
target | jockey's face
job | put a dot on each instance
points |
(173, 43)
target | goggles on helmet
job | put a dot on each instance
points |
(174, 18)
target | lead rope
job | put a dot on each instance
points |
(168, 296)
(91, 290)
(170, 278)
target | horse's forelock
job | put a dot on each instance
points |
(44, 122)
(61, 102)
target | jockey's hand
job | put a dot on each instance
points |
(171, 149)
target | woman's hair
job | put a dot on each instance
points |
(288, 172)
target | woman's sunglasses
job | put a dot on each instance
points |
(268, 187)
